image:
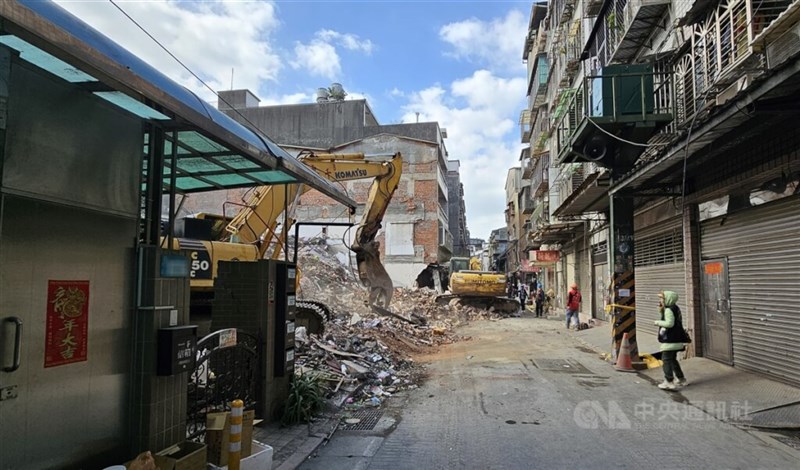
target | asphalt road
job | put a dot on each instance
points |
(524, 394)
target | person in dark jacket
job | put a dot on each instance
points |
(672, 337)
(539, 302)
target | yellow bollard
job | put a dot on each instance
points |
(235, 446)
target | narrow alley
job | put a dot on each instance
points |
(525, 393)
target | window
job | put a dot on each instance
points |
(400, 238)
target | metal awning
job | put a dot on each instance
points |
(590, 196)
(558, 232)
(213, 151)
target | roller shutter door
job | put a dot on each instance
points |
(659, 266)
(762, 246)
(650, 280)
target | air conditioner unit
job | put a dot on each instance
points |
(732, 90)
(784, 47)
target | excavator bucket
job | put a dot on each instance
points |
(373, 274)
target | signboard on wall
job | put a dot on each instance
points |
(67, 323)
(545, 256)
(527, 267)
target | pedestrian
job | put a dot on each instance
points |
(539, 302)
(573, 305)
(523, 296)
(673, 339)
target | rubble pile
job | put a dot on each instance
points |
(365, 355)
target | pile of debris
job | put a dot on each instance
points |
(365, 354)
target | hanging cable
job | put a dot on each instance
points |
(629, 142)
(254, 127)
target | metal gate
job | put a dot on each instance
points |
(659, 266)
(763, 252)
(650, 280)
(227, 368)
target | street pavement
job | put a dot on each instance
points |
(524, 393)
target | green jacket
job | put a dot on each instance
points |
(670, 299)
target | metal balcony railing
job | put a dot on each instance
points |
(526, 201)
(525, 126)
(540, 216)
(615, 97)
(730, 37)
(540, 175)
(626, 26)
(528, 165)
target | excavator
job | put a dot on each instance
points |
(469, 285)
(257, 231)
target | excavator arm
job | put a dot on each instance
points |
(258, 222)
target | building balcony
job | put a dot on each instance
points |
(591, 8)
(625, 26)
(525, 126)
(445, 239)
(540, 215)
(570, 50)
(526, 201)
(527, 163)
(584, 188)
(630, 102)
(540, 174)
(729, 44)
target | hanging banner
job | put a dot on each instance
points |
(67, 333)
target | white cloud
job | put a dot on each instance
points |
(320, 57)
(497, 43)
(231, 35)
(346, 40)
(480, 114)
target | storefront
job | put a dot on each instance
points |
(750, 283)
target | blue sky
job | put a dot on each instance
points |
(455, 62)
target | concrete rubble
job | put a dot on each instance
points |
(365, 356)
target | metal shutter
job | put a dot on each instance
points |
(762, 245)
(651, 280)
(659, 266)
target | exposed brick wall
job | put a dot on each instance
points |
(426, 234)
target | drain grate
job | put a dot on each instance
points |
(570, 366)
(369, 418)
(791, 441)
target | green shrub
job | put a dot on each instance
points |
(306, 398)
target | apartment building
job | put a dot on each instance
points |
(671, 125)
(416, 227)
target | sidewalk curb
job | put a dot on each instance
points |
(309, 447)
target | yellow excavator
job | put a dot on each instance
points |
(469, 285)
(258, 231)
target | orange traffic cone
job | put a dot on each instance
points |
(624, 357)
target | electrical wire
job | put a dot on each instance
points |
(629, 142)
(254, 128)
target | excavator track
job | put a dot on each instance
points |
(313, 315)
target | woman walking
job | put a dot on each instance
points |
(672, 337)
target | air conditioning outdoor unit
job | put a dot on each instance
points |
(784, 48)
